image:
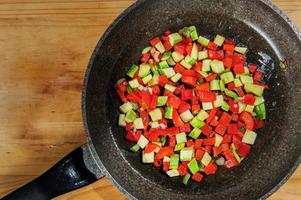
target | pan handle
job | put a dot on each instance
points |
(68, 174)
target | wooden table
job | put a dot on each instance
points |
(45, 46)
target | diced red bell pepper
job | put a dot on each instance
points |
(172, 141)
(133, 137)
(259, 124)
(134, 97)
(194, 100)
(185, 128)
(238, 59)
(180, 48)
(225, 119)
(209, 141)
(199, 154)
(238, 68)
(225, 147)
(227, 139)
(206, 96)
(240, 125)
(236, 141)
(232, 129)
(244, 149)
(153, 102)
(121, 96)
(227, 62)
(252, 68)
(240, 91)
(197, 177)
(200, 48)
(152, 135)
(206, 130)
(179, 89)
(179, 68)
(188, 48)
(173, 101)
(229, 41)
(145, 57)
(164, 151)
(235, 117)
(229, 155)
(258, 75)
(208, 149)
(157, 163)
(211, 115)
(198, 143)
(187, 40)
(221, 129)
(211, 168)
(233, 106)
(182, 169)
(189, 72)
(167, 32)
(247, 119)
(165, 166)
(266, 87)
(122, 86)
(229, 54)
(156, 89)
(231, 163)
(145, 118)
(214, 122)
(173, 130)
(216, 151)
(163, 80)
(167, 46)
(163, 121)
(129, 126)
(231, 86)
(212, 54)
(186, 94)
(176, 119)
(228, 47)
(211, 77)
(145, 99)
(184, 107)
(190, 143)
(150, 147)
(248, 99)
(189, 80)
(220, 55)
(195, 108)
(155, 41)
(198, 66)
(203, 87)
(212, 46)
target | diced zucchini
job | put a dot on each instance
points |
(219, 101)
(159, 46)
(233, 149)
(259, 100)
(193, 166)
(186, 65)
(241, 50)
(260, 111)
(142, 142)
(204, 74)
(219, 40)
(134, 83)
(161, 101)
(144, 70)
(225, 106)
(170, 61)
(176, 77)
(130, 116)
(177, 57)
(179, 146)
(135, 148)
(207, 105)
(169, 72)
(186, 154)
(255, 89)
(246, 79)
(249, 137)
(166, 56)
(138, 123)
(132, 71)
(237, 82)
(227, 77)
(173, 173)
(148, 157)
(222, 85)
(181, 138)
(166, 159)
(231, 94)
(185, 31)
(203, 55)
(186, 116)
(175, 38)
(218, 140)
(121, 120)
(154, 69)
(156, 115)
(194, 35)
(168, 112)
(195, 133)
(196, 123)
(241, 107)
(194, 52)
(126, 107)
(202, 115)
(206, 159)
(154, 81)
(214, 85)
(190, 60)
(206, 65)
(203, 41)
(163, 64)
(147, 79)
(249, 108)
(186, 179)
(170, 88)
(146, 50)
(135, 106)
(174, 161)
(217, 66)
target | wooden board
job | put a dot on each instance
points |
(45, 46)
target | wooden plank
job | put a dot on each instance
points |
(38, 127)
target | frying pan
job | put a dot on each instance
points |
(270, 37)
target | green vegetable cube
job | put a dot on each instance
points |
(146, 50)
(219, 101)
(218, 140)
(161, 101)
(148, 157)
(176, 77)
(170, 88)
(249, 137)
(134, 83)
(144, 70)
(225, 106)
(219, 40)
(163, 64)
(173, 173)
(246, 79)
(214, 85)
(207, 106)
(175, 38)
(126, 107)
(121, 120)
(186, 179)
(168, 72)
(174, 161)
(260, 111)
(206, 65)
(179, 146)
(217, 66)
(202, 115)
(196, 123)
(195, 133)
(255, 89)
(168, 112)
(241, 50)
(186, 116)
(156, 115)
(147, 79)
(203, 41)
(142, 142)
(203, 55)
(181, 138)
(138, 123)
(237, 82)
(132, 71)
(159, 46)
(193, 166)
(206, 159)
(130, 116)
(166, 56)
(186, 65)
(177, 57)
(227, 77)
(186, 154)
(135, 148)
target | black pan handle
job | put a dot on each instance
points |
(68, 174)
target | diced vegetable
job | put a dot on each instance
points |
(186, 154)
(176, 77)
(175, 38)
(206, 159)
(186, 179)
(132, 71)
(126, 107)
(174, 161)
(138, 123)
(203, 41)
(260, 111)
(148, 157)
(144, 70)
(217, 66)
(186, 116)
(193, 166)
(255, 89)
(241, 50)
(168, 112)
(130, 116)
(219, 40)
(173, 173)
(227, 77)
(135, 148)
(202, 115)
(142, 142)
(156, 115)
(249, 137)
(171, 88)
(161, 101)
(195, 133)
(181, 137)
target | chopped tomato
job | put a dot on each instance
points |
(197, 177)
(189, 80)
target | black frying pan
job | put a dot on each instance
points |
(270, 36)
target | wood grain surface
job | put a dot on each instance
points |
(44, 49)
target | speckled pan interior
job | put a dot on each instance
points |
(252, 23)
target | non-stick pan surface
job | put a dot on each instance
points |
(270, 38)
